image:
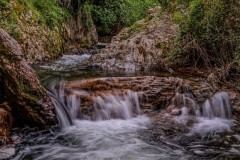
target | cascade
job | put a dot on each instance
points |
(213, 117)
(112, 106)
(66, 109)
(117, 106)
(217, 106)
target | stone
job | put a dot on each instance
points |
(20, 88)
(142, 46)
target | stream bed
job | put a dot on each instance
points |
(126, 133)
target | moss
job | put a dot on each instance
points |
(136, 27)
(177, 17)
(40, 18)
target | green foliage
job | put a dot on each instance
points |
(47, 12)
(110, 15)
(210, 34)
(136, 27)
(177, 17)
(172, 4)
(44, 11)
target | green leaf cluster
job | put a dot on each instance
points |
(210, 33)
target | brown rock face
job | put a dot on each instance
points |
(6, 122)
(142, 46)
(20, 87)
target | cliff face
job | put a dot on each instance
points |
(78, 30)
(31, 32)
(47, 29)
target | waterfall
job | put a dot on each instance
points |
(215, 116)
(66, 109)
(112, 106)
(117, 106)
(217, 106)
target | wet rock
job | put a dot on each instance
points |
(155, 93)
(20, 87)
(6, 122)
(6, 153)
(142, 46)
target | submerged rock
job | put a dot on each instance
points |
(20, 88)
(142, 46)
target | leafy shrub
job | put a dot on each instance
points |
(110, 15)
(47, 11)
(44, 11)
(210, 35)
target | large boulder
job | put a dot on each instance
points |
(142, 46)
(20, 88)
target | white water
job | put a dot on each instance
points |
(217, 106)
(103, 140)
(215, 116)
(66, 62)
(66, 108)
(106, 107)
(117, 134)
(210, 127)
(117, 106)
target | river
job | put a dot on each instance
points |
(120, 130)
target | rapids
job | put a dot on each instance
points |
(120, 130)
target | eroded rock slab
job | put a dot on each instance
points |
(20, 88)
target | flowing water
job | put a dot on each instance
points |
(121, 131)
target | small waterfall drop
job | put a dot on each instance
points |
(123, 105)
(66, 108)
(117, 106)
(217, 106)
(215, 116)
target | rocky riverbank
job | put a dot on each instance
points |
(23, 99)
(143, 46)
(34, 37)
